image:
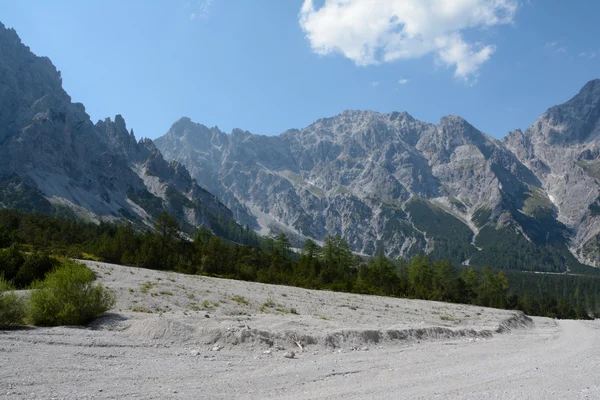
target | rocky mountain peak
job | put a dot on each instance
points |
(120, 123)
(116, 135)
(575, 121)
(591, 90)
(185, 127)
(584, 105)
(401, 115)
(94, 171)
(181, 125)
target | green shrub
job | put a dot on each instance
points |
(11, 260)
(35, 268)
(12, 307)
(68, 296)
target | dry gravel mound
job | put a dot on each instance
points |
(172, 308)
(173, 336)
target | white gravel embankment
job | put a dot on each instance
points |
(174, 336)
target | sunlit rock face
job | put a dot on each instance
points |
(388, 182)
(562, 148)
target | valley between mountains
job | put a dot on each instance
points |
(239, 205)
(385, 183)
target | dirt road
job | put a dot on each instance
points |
(238, 350)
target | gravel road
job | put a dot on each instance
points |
(173, 336)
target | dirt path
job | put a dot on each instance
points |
(182, 354)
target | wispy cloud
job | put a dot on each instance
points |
(403, 81)
(375, 84)
(555, 47)
(199, 8)
(406, 29)
(588, 54)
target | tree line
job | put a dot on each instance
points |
(271, 259)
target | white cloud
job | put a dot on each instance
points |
(588, 54)
(374, 83)
(555, 47)
(200, 8)
(371, 32)
(403, 81)
(204, 7)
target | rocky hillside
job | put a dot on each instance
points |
(388, 182)
(55, 160)
(563, 150)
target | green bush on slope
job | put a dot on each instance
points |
(12, 307)
(69, 296)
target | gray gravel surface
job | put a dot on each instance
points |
(206, 338)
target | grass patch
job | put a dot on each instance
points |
(270, 303)
(209, 304)
(90, 257)
(141, 309)
(240, 300)
(146, 287)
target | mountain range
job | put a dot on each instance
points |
(384, 182)
(391, 183)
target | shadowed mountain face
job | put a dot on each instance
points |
(55, 160)
(387, 182)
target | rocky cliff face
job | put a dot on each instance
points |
(388, 182)
(55, 160)
(563, 150)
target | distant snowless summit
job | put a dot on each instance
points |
(391, 183)
(385, 182)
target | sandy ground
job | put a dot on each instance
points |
(174, 336)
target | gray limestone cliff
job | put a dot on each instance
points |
(388, 182)
(562, 148)
(55, 160)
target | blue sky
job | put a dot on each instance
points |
(270, 65)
